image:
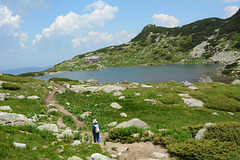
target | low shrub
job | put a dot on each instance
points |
(125, 135)
(224, 131)
(206, 149)
(192, 129)
(128, 95)
(10, 86)
(68, 120)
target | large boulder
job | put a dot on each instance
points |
(98, 156)
(133, 122)
(14, 119)
(49, 127)
(115, 105)
(202, 132)
(193, 102)
(205, 79)
(2, 96)
(186, 84)
(5, 108)
(158, 155)
(93, 81)
(236, 81)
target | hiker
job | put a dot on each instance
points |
(96, 131)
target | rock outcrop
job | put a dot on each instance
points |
(5, 108)
(236, 81)
(49, 127)
(205, 79)
(133, 122)
(14, 119)
(193, 102)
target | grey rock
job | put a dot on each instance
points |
(49, 127)
(137, 94)
(33, 97)
(193, 102)
(76, 143)
(118, 93)
(62, 90)
(150, 100)
(200, 134)
(115, 105)
(158, 155)
(193, 87)
(146, 86)
(52, 110)
(19, 145)
(198, 50)
(74, 158)
(34, 118)
(112, 124)
(93, 81)
(133, 122)
(80, 81)
(112, 88)
(186, 84)
(5, 108)
(231, 113)
(2, 96)
(184, 95)
(206, 125)
(85, 114)
(125, 82)
(215, 114)
(122, 97)
(20, 97)
(1, 74)
(14, 119)
(123, 114)
(236, 81)
(67, 132)
(205, 79)
(98, 156)
(226, 56)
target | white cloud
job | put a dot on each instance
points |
(230, 1)
(97, 38)
(6, 18)
(165, 20)
(73, 23)
(231, 10)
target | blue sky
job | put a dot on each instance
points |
(39, 33)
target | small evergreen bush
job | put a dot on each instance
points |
(10, 86)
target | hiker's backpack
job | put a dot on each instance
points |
(97, 130)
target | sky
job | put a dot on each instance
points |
(40, 33)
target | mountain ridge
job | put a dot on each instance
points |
(210, 40)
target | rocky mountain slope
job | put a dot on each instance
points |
(209, 40)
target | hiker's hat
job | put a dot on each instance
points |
(94, 121)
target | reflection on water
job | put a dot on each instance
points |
(152, 74)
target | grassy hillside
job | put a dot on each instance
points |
(203, 41)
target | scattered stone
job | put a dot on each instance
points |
(34, 148)
(122, 97)
(118, 93)
(20, 97)
(125, 82)
(67, 132)
(93, 81)
(158, 155)
(184, 95)
(50, 87)
(67, 85)
(14, 119)
(74, 158)
(2, 96)
(112, 124)
(236, 81)
(186, 84)
(149, 133)
(193, 102)
(49, 127)
(231, 113)
(52, 110)
(137, 94)
(193, 87)
(98, 156)
(6, 108)
(205, 79)
(150, 100)
(61, 91)
(33, 97)
(115, 105)
(133, 122)
(200, 134)
(206, 125)
(123, 114)
(85, 114)
(215, 114)
(45, 147)
(20, 145)
(67, 103)
(162, 130)
(34, 118)
(80, 81)
(146, 86)
(76, 143)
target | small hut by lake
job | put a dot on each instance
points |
(91, 60)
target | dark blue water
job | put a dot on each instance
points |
(152, 74)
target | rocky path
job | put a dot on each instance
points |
(49, 100)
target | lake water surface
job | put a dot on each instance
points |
(142, 74)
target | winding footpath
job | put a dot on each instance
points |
(49, 100)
